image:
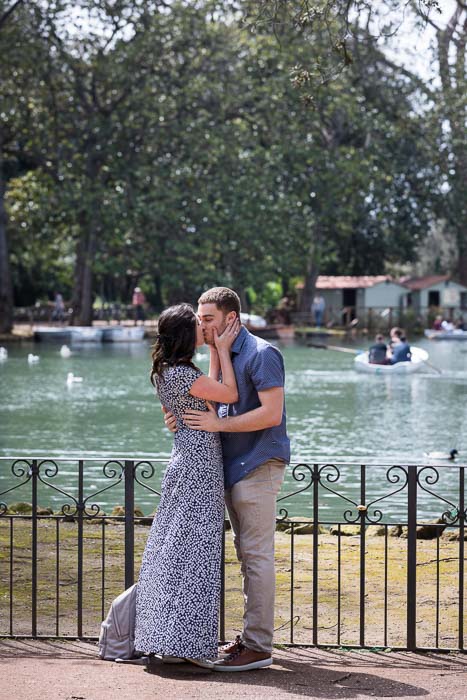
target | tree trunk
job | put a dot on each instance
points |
(312, 271)
(451, 43)
(306, 298)
(6, 287)
(83, 278)
(462, 267)
(158, 302)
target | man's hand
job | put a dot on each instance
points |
(203, 420)
(169, 420)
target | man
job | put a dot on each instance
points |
(377, 354)
(138, 301)
(400, 349)
(255, 450)
(317, 309)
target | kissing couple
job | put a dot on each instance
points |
(230, 449)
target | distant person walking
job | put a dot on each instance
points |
(317, 309)
(138, 301)
(58, 313)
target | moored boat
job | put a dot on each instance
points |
(122, 334)
(52, 334)
(68, 334)
(419, 357)
(85, 334)
(456, 334)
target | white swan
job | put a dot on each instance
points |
(32, 359)
(71, 379)
(65, 351)
(3, 354)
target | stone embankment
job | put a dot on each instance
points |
(428, 530)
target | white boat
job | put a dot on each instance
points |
(85, 334)
(52, 334)
(122, 334)
(253, 320)
(456, 334)
(419, 357)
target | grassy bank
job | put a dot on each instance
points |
(301, 572)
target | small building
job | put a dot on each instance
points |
(365, 297)
(436, 292)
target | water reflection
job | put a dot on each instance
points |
(333, 412)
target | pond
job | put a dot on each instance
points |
(333, 414)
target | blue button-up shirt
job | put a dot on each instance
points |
(258, 366)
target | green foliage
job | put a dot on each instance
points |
(167, 146)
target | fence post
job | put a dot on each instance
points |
(129, 523)
(34, 474)
(462, 514)
(362, 515)
(412, 557)
(222, 597)
(81, 506)
(315, 553)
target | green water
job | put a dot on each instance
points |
(333, 413)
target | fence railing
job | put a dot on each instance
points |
(379, 562)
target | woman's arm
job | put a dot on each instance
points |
(214, 364)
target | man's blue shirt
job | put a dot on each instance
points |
(258, 366)
(401, 353)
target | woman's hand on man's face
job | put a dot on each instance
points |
(227, 338)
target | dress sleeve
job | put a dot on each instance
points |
(185, 378)
(267, 369)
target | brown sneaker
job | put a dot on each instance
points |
(231, 647)
(243, 660)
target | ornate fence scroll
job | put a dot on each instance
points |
(378, 561)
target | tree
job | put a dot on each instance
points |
(21, 53)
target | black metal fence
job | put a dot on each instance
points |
(378, 562)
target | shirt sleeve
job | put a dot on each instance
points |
(267, 369)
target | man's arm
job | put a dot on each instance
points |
(268, 415)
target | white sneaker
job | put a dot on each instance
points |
(204, 663)
(136, 661)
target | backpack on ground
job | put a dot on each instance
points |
(117, 637)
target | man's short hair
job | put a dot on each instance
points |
(398, 332)
(225, 299)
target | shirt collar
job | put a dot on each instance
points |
(239, 340)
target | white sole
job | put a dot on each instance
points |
(219, 666)
(137, 661)
(171, 659)
(202, 663)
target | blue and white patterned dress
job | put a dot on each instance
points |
(178, 592)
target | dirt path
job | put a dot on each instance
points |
(64, 670)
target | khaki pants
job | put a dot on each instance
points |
(252, 511)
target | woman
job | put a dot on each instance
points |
(179, 583)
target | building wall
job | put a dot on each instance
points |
(449, 294)
(385, 294)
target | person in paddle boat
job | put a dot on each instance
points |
(399, 347)
(447, 326)
(377, 354)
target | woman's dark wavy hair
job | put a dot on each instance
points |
(176, 339)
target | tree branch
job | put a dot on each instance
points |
(7, 13)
